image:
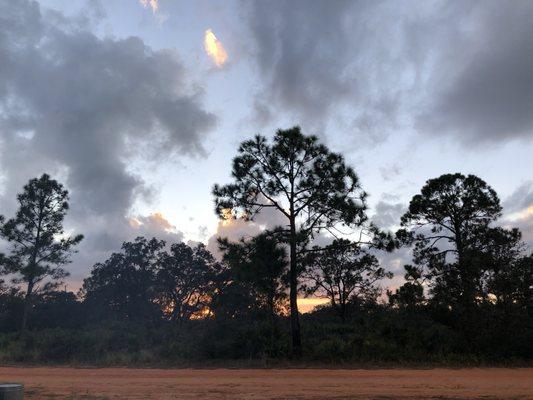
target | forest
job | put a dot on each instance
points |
(466, 296)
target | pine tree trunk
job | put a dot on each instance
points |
(293, 277)
(467, 299)
(26, 309)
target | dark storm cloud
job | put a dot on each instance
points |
(79, 107)
(487, 94)
(295, 55)
(309, 57)
(460, 68)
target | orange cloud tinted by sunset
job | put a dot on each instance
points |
(150, 3)
(214, 49)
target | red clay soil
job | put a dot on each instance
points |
(124, 383)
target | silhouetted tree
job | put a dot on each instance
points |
(508, 279)
(344, 272)
(410, 295)
(261, 264)
(310, 186)
(11, 307)
(514, 285)
(58, 309)
(232, 299)
(471, 266)
(124, 286)
(186, 281)
(39, 245)
(443, 221)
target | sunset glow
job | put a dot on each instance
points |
(522, 215)
(214, 49)
(308, 304)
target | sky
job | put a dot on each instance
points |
(120, 101)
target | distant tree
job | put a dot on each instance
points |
(344, 273)
(308, 185)
(39, 245)
(124, 286)
(232, 299)
(186, 281)
(514, 285)
(58, 308)
(477, 272)
(261, 265)
(11, 307)
(444, 222)
(508, 279)
(410, 295)
(506, 301)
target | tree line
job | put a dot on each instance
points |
(467, 290)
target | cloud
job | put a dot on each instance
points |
(236, 229)
(82, 107)
(292, 48)
(518, 211)
(233, 230)
(153, 4)
(447, 69)
(339, 61)
(387, 215)
(394, 262)
(486, 91)
(155, 225)
(214, 49)
(520, 199)
(390, 172)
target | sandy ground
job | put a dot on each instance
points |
(122, 383)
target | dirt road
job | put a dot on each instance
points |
(122, 383)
